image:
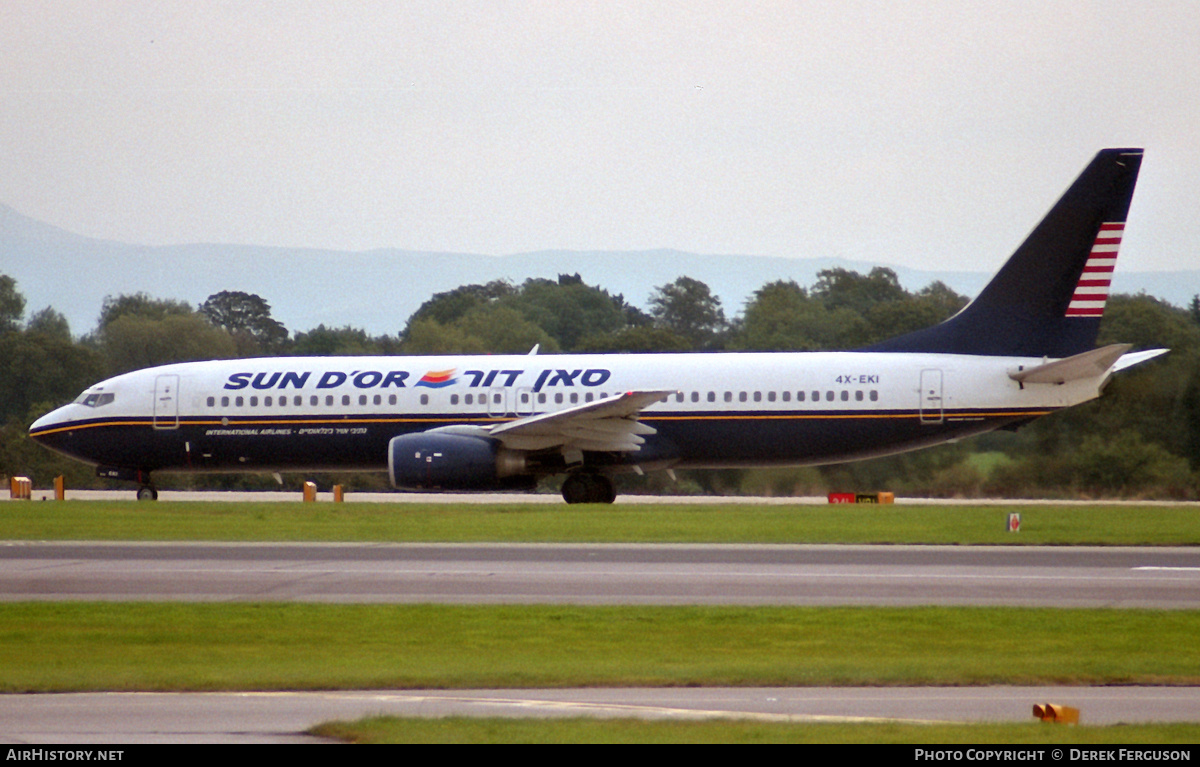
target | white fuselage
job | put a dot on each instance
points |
(733, 409)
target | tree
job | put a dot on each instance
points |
(932, 304)
(429, 336)
(568, 309)
(688, 308)
(504, 330)
(1147, 322)
(132, 342)
(49, 322)
(139, 305)
(12, 304)
(451, 305)
(40, 363)
(39, 368)
(846, 289)
(246, 317)
(782, 316)
(635, 339)
(329, 342)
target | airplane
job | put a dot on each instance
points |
(1022, 349)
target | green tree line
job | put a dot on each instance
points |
(1142, 439)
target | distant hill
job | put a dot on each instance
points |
(378, 290)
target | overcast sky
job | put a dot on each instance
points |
(929, 134)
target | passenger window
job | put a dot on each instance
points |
(845, 396)
(268, 401)
(298, 400)
(712, 396)
(874, 396)
(212, 401)
(787, 396)
(799, 396)
(453, 399)
(858, 396)
(224, 402)
(679, 396)
(313, 400)
(424, 399)
(574, 397)
(817, 396)
(391, 399)
(558, 398)
(378, 399)
(741, 396)
(758, 396)
(695, 396)
(328, 400)
(829, 396)
(254, 402)
(362, 399)
(345, 399)
(239, 402)
(587, 397)
(729, 396)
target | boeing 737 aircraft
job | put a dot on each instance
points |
(1021, 350)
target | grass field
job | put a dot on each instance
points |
(725, 523)
(49, 647)
(462, 730)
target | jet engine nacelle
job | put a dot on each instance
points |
(433, 461)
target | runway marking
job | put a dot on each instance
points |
(1169, 569)
(629, 709)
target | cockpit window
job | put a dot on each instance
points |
(96, 399)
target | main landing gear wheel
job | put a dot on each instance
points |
(588, 488)
(147, 493)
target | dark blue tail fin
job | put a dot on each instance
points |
(1048, 299)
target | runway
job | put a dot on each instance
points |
(1154, 577)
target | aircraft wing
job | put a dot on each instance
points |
(609, 425)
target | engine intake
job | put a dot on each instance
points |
(432, 461)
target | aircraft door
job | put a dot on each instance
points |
(166, 402)
(931, 396)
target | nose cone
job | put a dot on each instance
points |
(48, 422)
(53, 430)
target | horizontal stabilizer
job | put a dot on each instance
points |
(1091, 364)
(1129, 360)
